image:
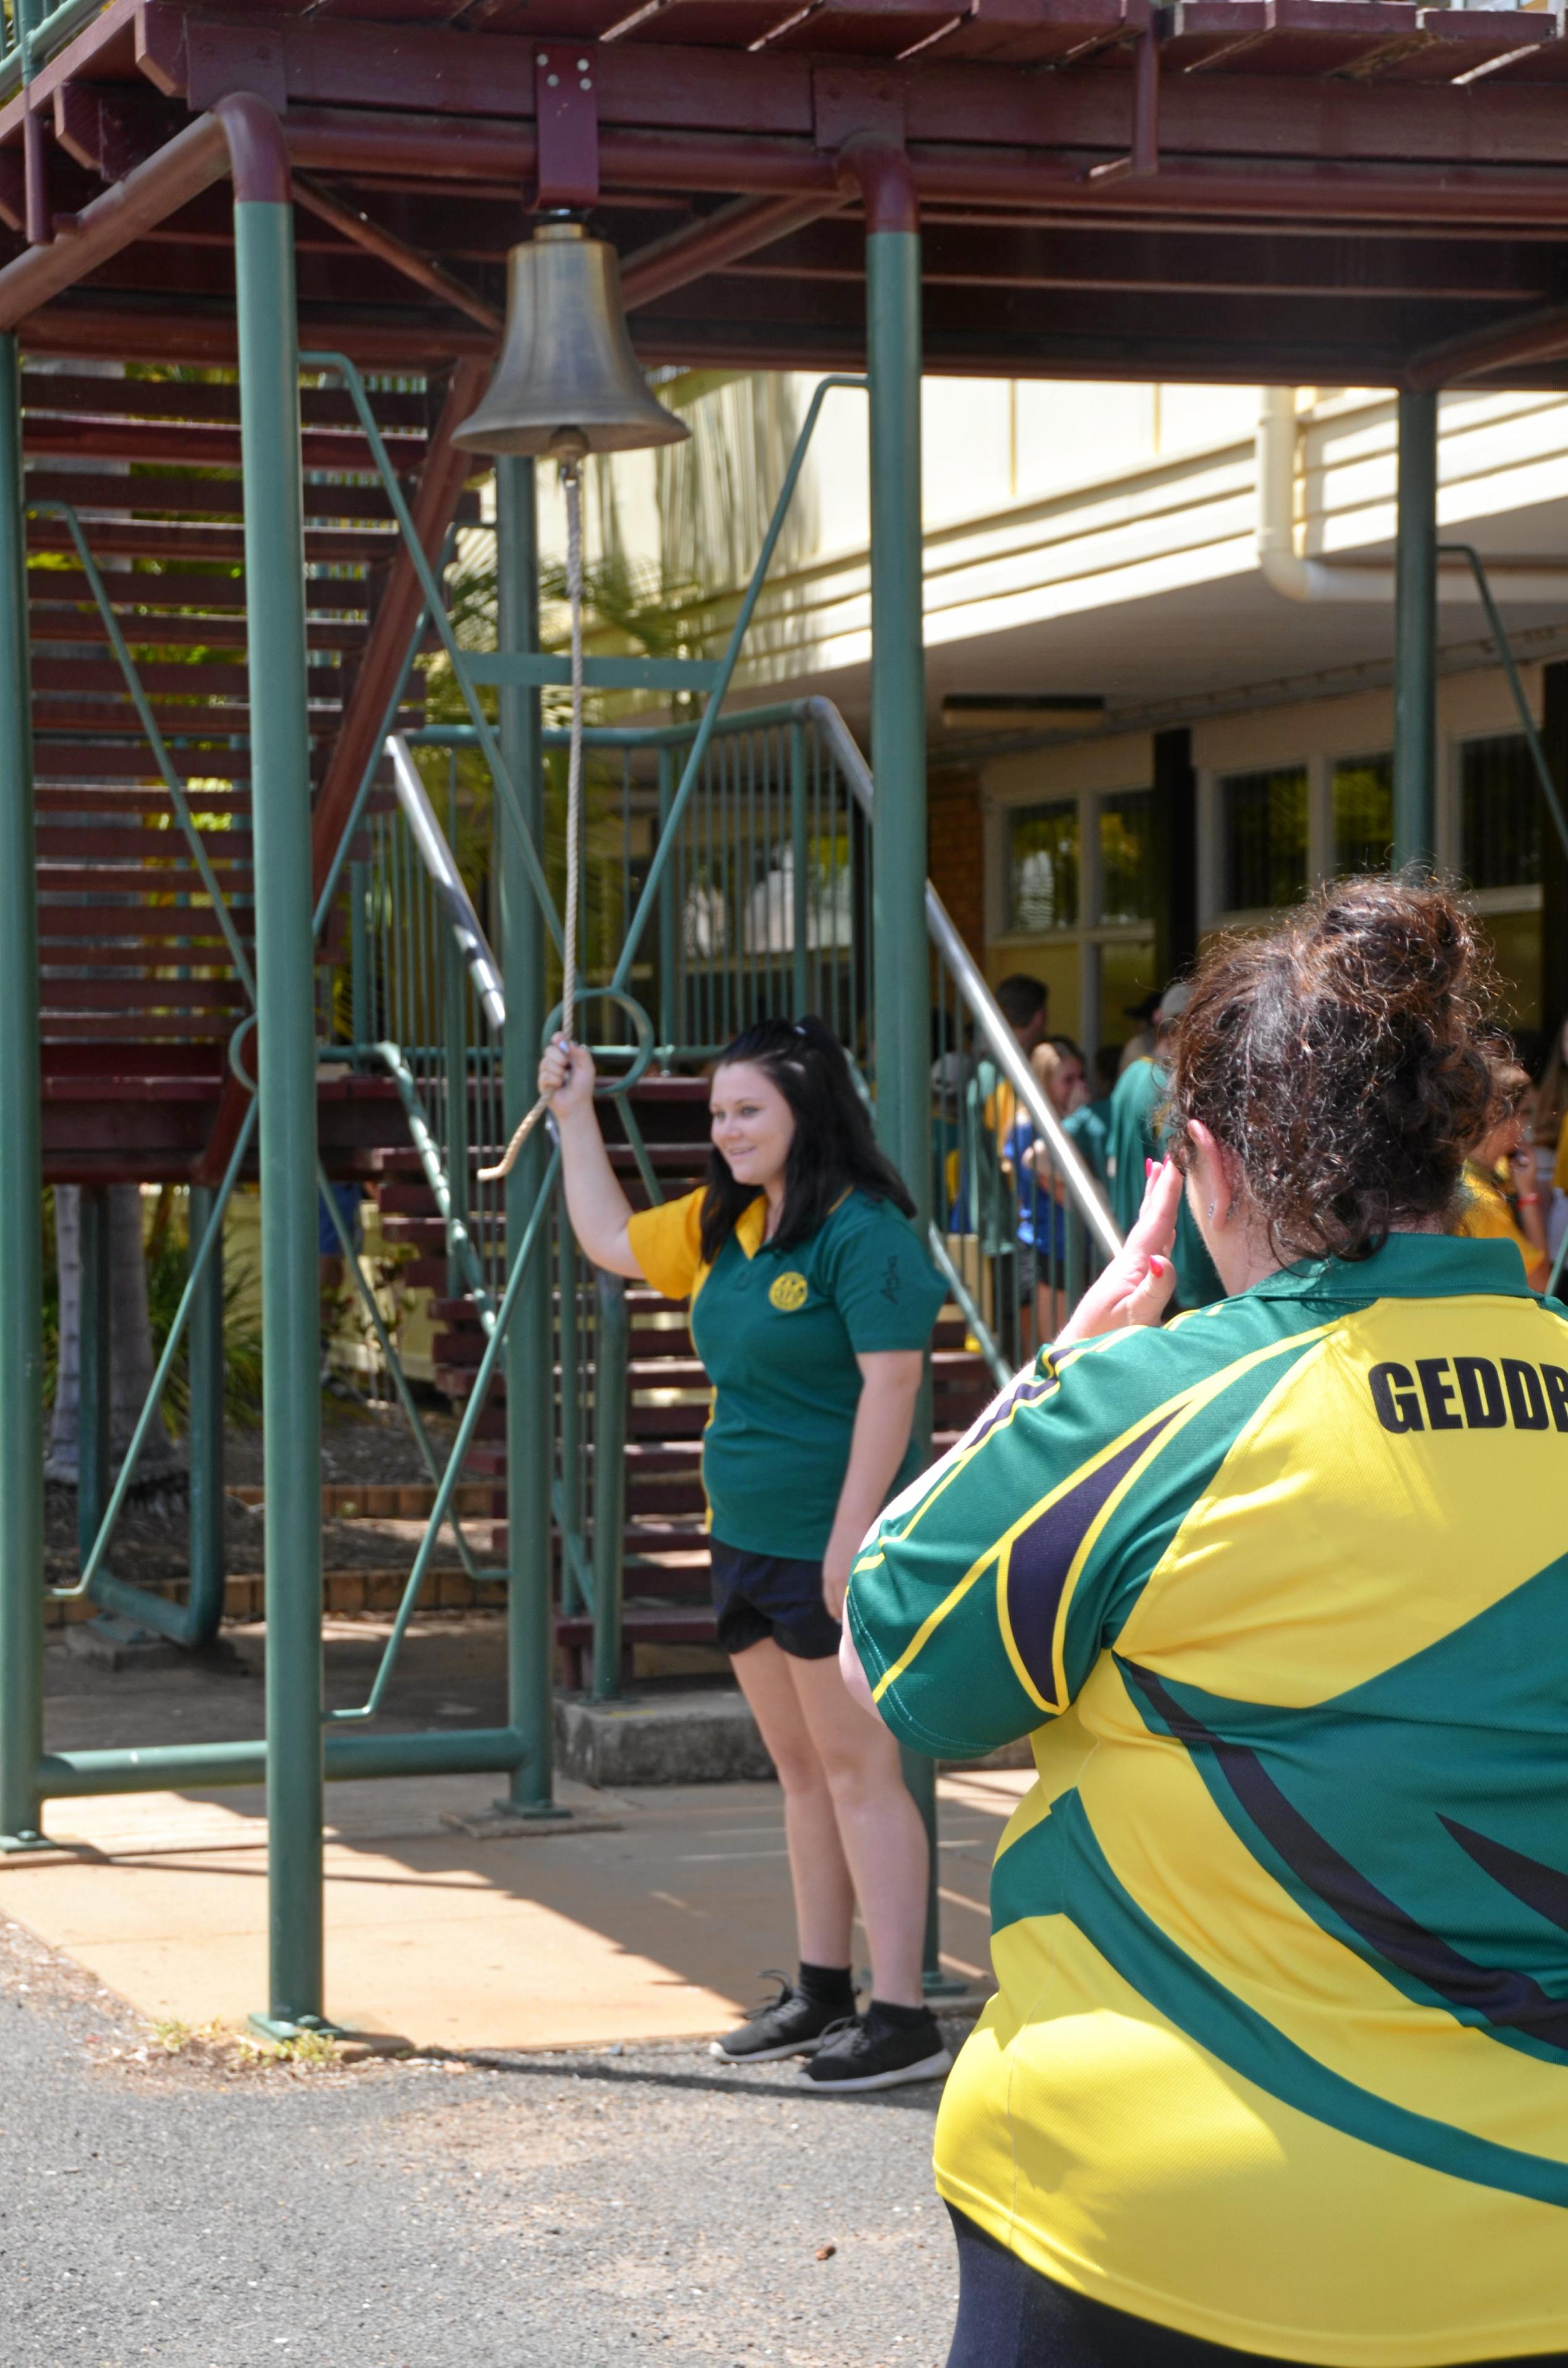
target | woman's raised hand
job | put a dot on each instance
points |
(1136, 1286)
(566, 1075)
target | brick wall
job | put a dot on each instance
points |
(956, 853)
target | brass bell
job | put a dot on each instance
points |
(567, 382)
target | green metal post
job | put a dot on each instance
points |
(1415, 637)
(21, 1194)
(454, 998)
(569, 1361)
(93, 1366)
(361, 1024)
(530, 1412)
(275, 588)
(901, 978)
(204, 1429)
(611, 1351)
(671, 1024)
(800, 874)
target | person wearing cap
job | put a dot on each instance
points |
(1135, 1143)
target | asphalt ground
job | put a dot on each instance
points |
(175, 2200)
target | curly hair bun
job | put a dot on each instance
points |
(1350, 1059)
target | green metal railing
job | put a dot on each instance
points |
(32, 32)
(759, 906)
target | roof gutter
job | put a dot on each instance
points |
(1295, 579)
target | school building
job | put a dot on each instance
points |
(1159, 634)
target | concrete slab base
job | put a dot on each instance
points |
(702, 1736)
(650, 1927)
(114, 1643)
(495, 1825)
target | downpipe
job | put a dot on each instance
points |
(1295, 579)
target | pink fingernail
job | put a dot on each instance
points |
(1149, 1170)
(1157, 1266)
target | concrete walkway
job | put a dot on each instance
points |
(648, 1921)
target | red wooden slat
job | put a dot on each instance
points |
(195, 447)
(141, 994)
(68, 1027)
(135, 925)
(207, 400)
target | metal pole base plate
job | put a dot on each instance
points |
(13, 1845)
(546, 1812)
(279, 2028)
(947, 1986)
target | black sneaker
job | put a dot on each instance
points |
(792, 2024)
(865, 2051)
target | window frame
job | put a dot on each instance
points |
(1088, 935)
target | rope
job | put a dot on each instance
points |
(572, 480)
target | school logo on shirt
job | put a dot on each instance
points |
(787, 1292)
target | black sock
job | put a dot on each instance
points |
(900, 2018)
(827, 1985)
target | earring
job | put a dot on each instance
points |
(1210, 1212)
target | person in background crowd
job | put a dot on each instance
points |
(1089, 1124)
(986, 1201)
(1275, 2068)
(1552, 1138)
(1502, 1200)
(1058, 1064)
(1135, 1144)
(1140, 1046)
(813, 1300)
(1024, 1002)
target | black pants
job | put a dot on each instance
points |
(1010, 2316)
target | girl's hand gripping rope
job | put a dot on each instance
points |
(566, 1076)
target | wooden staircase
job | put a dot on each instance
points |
(138, 991)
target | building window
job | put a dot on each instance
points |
(1044, 869)
(1264, 837)
(1127, 857)
(1500, 804)
(1361, 800)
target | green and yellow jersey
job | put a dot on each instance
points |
(1489, 1215)
(1279, 2057)
(779, 1332)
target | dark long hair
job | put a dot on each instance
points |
(834, 1150)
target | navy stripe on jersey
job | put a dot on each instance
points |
(1532, 1883)
(1040, 1559)
(1503, 1998)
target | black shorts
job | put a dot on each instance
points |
(1011, 2316)
(758, 1594)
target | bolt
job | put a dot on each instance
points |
(552, 80)
(587, 84)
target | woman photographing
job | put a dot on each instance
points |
(813, 1300)
(1278, 2070)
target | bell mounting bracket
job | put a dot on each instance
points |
(566, 113)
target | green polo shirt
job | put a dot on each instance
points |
(778, 1332)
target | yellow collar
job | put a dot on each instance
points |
(751, 1224)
